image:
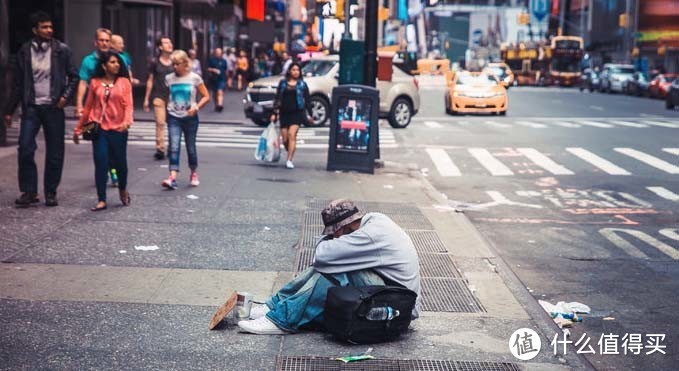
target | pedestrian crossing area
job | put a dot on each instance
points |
(500, 162)
(223, 136)
(545, 123)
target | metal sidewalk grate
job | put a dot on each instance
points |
(309, 234)
(449, 295)
(304, 259)
(307, 363)
(368, 206)
(438, 265)
(427, 242)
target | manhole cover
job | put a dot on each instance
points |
(427, 241)
(438, 265)
(304, 363)
(448, 295)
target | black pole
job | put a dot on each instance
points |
(370, 66)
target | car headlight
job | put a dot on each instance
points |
(456, 94)
(507, 79)
(251, 85)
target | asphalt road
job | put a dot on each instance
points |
(578, 192)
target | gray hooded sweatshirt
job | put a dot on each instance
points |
(379, 244)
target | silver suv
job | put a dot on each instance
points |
(399, 98)
(614, 77)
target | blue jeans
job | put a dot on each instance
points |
(110, 151)
(175, 127)
(301, 301)
(52, 121)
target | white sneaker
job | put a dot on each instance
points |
(261, 326)
(258, 310)
(289, 165)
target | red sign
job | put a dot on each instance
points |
(346, 124)
(254, 9)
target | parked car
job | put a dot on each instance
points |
(672, 98)
(399, 98)
(637, 85)
(475, 92)
(503, 73)
(660, 85)
(614, 75)
(591, 80)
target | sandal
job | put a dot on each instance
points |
(125, 198)
(99, 208)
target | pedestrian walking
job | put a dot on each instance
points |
(217, 77)
(291, 107)
(242, 67)
(88, 66)
(195, 63)
(118, 45)
(230, 67)
(157, 92)
(286, 62)
(44, 81)
(109, 104)
(182, 110)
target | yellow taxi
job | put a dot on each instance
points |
(503, 73)
(475, 92)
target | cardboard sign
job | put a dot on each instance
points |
(223, 311)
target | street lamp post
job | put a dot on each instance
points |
(370, 65)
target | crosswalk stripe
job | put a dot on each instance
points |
(628, 124)
(566, 124)
(443, 163)
(493, 165)
(595, 124)
(544, 161)
(674, 151)
(663, 124)
(497, 124)
(597, 161)
(530, 124)
(649, 160)
(432, 124)
(664, 193)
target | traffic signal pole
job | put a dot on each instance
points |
(370, 66)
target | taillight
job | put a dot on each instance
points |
(417, 83)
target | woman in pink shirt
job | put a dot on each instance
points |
(109, 102)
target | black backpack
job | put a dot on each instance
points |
(347, 309)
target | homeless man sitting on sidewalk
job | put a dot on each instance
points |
(357, 249)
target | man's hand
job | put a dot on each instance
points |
(134, 81)
(76, 138)
(61, 103)
(8, 121)
(78, 111)
(146, 105)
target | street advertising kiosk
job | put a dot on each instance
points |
(353, 140)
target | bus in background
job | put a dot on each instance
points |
(564, 67)
(528, 61)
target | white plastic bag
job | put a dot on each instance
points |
(269, 146)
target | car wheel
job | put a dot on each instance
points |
(668, 103)
(503, 113)
(320, 110)
(446, 103)
(400, 114)
(261, 122)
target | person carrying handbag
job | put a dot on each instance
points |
(106, 118)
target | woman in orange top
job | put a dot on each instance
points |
(109, 102)
(242, 70)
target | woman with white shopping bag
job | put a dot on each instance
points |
(291, 108)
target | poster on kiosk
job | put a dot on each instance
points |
(353, 142)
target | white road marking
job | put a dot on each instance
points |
(650, 160)
(544, 162)
(432, 124)
(597, 161)
(671, 233)
(565, 124)
(674, 151)
(595, 124)
(493, 165)
(663, 124)
(598, 108)
(443, 163)
(612, 235)
(497, 124)
(531, 124)
(664, 193)
(628, 124)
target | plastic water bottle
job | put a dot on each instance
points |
(382, 314)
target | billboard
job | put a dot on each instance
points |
(659, 21)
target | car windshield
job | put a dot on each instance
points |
(565, 65)
(317, 68)
(500, 72)
(670, 78)
(624, 70)
(484, 80)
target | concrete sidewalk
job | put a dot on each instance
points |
(77, 290)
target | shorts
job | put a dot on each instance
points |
(288, 119)
(243, 73)
(218, 84)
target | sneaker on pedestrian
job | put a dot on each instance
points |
(259, 311)
(114, 178)
(289, 165)
(51, 199)
(261, 326)
(159, 155)
(195, 182)
(170, 183)
(26, 199)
